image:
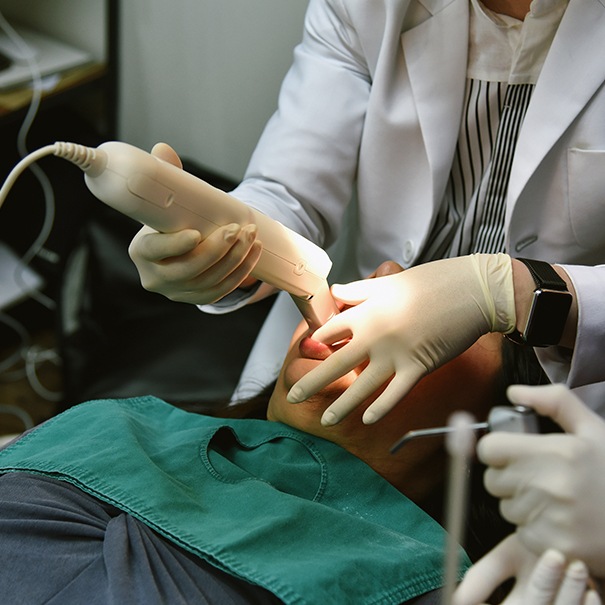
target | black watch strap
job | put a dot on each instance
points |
(549, 309)
(544, 275)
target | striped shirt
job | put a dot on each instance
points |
(505, 59)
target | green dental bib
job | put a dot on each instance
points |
(279, 508)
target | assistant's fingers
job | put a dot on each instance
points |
(555, 401)
(545, 578)
(520, 508)
(574, 584)
(497, 483)
(592, 598)
(487, 574)
(500, 448)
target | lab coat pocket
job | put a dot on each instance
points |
(586, 181)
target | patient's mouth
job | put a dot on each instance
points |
(313, 349)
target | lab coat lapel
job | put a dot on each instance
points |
(574, 69)
(439, 44)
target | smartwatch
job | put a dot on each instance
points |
(549, 309)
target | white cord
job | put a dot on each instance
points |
(34, 357)
(49, 196)
(11, 360)
(87, 159)
(13, 410)
(19, 168)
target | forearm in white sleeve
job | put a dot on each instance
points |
(303, 169)
(583, 367)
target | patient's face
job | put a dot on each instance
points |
(468, 382)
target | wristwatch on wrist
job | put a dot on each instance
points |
(549, 307)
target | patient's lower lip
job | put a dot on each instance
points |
(312, 349)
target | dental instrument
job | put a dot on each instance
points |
(514, 419)
(169, 199)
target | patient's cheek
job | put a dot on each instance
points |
(296, 369)
(303, 416)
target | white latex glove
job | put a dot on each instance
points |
(549, 580)
(407, 325)
(552, 486)
(184, 267)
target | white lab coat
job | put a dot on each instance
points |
(373, 102)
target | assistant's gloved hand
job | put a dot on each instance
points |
(184, 267)
(407, 325)
(552, 485)
(549, 580)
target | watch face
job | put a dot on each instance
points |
(547, 317)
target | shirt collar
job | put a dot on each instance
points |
(505, 49)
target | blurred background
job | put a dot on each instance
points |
(201, 75)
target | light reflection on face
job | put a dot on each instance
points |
(467, 382)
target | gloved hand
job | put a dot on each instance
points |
(407, 325)
(549, 580)
(551, 485)
(184, 267)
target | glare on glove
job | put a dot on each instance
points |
(549, 580)
(407, 325)
(552, 485)
(186, 268)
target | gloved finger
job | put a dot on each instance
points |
(389, 267)
(500, 448)
(366, 384)
(338, 327)
(338, 364)
(555, 401)
(592, 598)
(545, 578)
(487, 574)
(151, 246)
(522, 507)
(233, 279)
(224, 243)
(574, 584)
(497, 485)
(399, 386)
(356, 292)
(220, 257)
(510, 481)
(166, 153)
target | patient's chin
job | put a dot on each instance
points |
(297, 368)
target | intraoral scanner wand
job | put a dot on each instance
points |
(169, 199)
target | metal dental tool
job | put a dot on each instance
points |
(514, 419)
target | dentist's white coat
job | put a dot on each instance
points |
(373, 102)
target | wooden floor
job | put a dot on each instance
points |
(19, 393)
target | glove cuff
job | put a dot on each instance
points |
(495, 273)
